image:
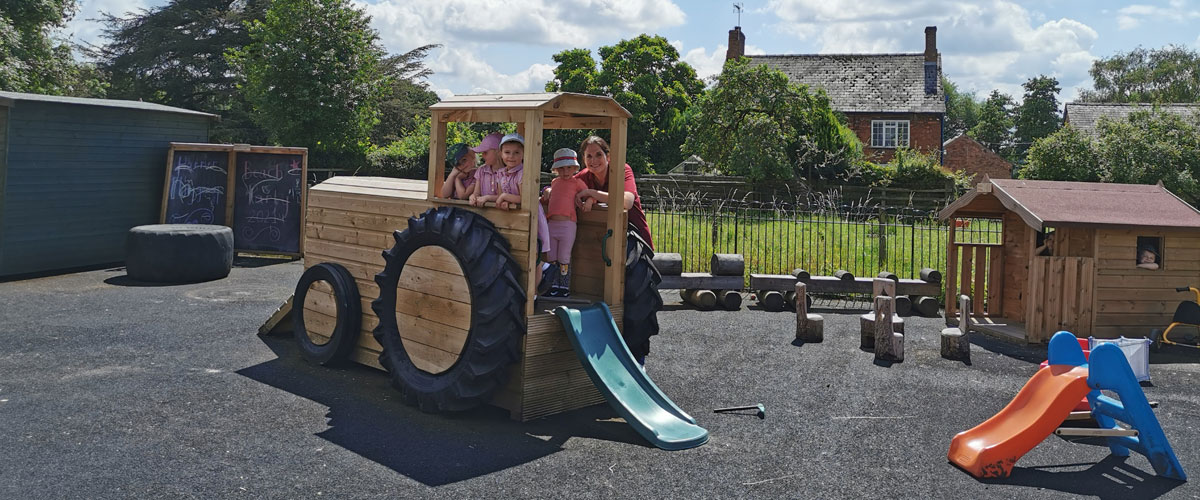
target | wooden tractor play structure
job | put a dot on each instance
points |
(440, 294)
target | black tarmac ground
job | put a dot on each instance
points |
(114, 389)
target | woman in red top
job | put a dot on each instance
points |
(594, 152)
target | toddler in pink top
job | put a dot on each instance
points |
(561, 212)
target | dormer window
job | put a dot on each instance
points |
(889, 133)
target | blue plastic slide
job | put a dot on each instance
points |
(612, 368)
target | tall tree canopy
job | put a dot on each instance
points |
(174, 55)
(1169, 74)
(314, 73)
(32, 60)
(1149, 147)
(645, 75)
(1038, 115)
(962, 109)
(409, 96)
(995, 127)
(756, 123)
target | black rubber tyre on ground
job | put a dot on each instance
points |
(178, 253)
(642, 300)
(349, 315)
(497, 305)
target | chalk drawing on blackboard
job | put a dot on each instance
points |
(269, 194)
(197, 189)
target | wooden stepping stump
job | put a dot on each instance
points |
(809, 327)
(889, 344)
(956, 343)
(880, 287)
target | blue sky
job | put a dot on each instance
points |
(506, 46)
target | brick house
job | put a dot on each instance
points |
(963, 153)
(889, 100)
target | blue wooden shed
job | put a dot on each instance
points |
(76, 174)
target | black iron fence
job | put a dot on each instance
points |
(815, 234)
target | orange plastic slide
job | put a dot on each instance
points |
(993, 447)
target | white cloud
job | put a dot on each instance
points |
(984, 45)
(1132, 16)
(477, 76)
(709, 64)
(406, 24)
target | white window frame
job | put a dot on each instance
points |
(880, 129)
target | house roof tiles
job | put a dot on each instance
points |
(1085, 116)
(864, 82)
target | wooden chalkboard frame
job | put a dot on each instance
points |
(231, 182)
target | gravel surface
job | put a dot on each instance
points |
(112, 389)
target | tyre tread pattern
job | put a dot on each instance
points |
(497, 311)
(349, 314)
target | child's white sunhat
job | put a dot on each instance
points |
(565, 157)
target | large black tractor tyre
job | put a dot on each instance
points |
(497, 304)
(642, 300)
(178, 253)
(349, 315)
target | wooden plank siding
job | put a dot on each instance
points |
(351, 222)
(1017, 237)
(78, 177)
(1131, 301)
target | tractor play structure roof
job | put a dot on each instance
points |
(557, 103)
(1043, 204)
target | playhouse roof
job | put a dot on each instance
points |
(1043, 204)
(557, 103)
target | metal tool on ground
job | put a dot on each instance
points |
(760, 410)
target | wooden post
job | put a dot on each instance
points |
(727, 264)
(701, 299)
(614, 276)
(668, 264)
(730, 300)
(809, 327)
(882, 238)
(951, 265)
(926, 306)
(437, 155)
(529, 197)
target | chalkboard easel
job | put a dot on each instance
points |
(258, 191)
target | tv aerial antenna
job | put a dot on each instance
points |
(737, 7)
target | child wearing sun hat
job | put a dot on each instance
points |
(562, 218)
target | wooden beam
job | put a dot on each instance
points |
(1079, 431)
(578, 122)
(951, 267)
(481, 116)
(162, 216)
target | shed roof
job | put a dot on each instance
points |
(9, 98)
(561, 102)
(864, 82)
(1043, 204)
(1085, 116)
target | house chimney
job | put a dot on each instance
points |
(737, 44)
(931, 60)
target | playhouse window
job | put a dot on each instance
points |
(1149, 252)
(1045, 243)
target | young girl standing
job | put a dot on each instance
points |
(563, 219)
(484, 189)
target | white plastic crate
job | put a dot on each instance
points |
(1137, 352)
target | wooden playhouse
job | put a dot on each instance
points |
(434, 299)
(1087, 280)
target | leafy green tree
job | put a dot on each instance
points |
(756, 123)
(645, 75)
(1166, 75)
(1038, 115)
(314, 75)
(1065, 155)
(173, 55)
(962, 109)
(1149, 147)
(33, 60)
(409, 96)
(995, 127)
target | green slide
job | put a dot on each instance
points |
(612, 368)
